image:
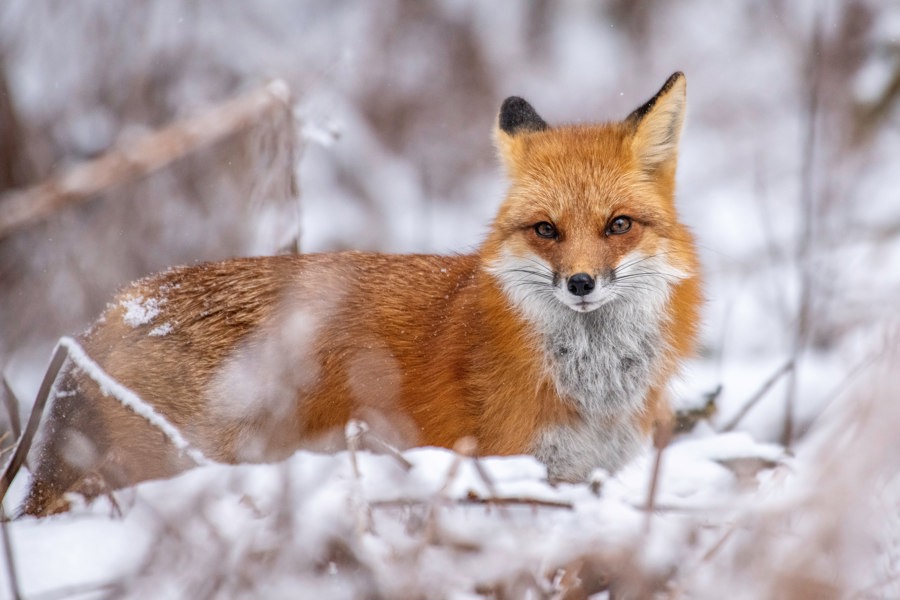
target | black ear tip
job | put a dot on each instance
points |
(641, 111)
(514, 103)
(672, 80)
(516, 115)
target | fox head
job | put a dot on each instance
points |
(589, 217)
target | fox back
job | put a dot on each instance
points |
(557, 338)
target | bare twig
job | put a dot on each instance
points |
(12, 408)
(478, 500)
(34, 420)
(684, 510)
(654, 485)
(714, 549)
(505, 501)
(11, 571)
(835, 392)
(370, 441)
(15, 169)
(759, 395)
(75, 591)
(661, 438)
(140, 157)
(875, 113)
(463, 448)
(807, 227)
(484, 476)
(354, 432)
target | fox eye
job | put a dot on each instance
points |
(545, 230)
(619, 225)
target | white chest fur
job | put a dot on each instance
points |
(603, 362)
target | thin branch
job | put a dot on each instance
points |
(137, 158)
(370, 441)
(807, 225)
(654, 486)
(759, 395)
(34, 421)
(662, 435)
(479, 501)
(354, 432)
(11, 402)
(714, 549)
(78, 590)
(11, 571)
(505, 501)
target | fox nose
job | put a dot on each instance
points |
(581, 284)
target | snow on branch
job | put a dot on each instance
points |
(110, 387)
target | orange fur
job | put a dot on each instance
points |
(254, 358)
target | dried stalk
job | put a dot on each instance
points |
(12, 573)
(34, 420)
(11, 402)
(354, 432)
(807, 228)
(478, 501)
(140, 157)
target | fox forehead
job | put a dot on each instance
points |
(581, 175)
(599, 146)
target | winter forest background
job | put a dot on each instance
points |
(789, 175)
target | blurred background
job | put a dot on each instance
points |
(788, 176)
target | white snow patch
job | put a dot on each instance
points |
(139, 310)
(162, 330)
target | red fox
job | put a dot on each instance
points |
(556, 338)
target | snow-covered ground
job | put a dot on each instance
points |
(318, 527)
(728, 513)
(792, 199)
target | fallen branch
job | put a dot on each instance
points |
(478, 501)
(503, 501)
(133, 159)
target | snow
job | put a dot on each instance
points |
(433, 524)
(161, 330)
(382, 525)
(139, 310)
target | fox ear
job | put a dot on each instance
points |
(657, 125)
(516, 117)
